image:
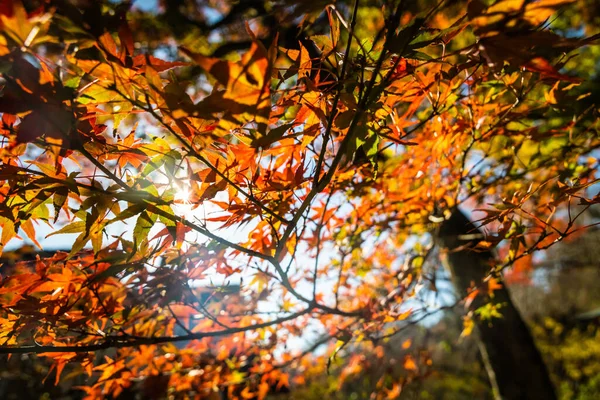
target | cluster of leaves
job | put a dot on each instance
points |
(309, 159)
(560, 306)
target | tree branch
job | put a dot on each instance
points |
(134, 341)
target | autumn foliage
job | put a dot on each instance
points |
(233, 189)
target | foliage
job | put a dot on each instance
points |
(555, 302)
(308, 160)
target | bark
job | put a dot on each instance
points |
(514, 365)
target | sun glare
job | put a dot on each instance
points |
(182, 194)
(183, 206)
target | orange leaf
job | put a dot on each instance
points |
(29, 230)
(409, 363)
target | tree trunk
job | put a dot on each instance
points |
(513, 362)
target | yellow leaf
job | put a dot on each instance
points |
(261, 280)
(8, 231)
(237, 377)
(539, 11)
(551, 95)
(287, 305)
(17, 26)
(247, 94)
(468, 326)
(4, 50)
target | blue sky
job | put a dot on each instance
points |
(146, 5)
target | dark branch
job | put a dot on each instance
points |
(134, 341)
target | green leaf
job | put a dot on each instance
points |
(154, 164)
(73, 82)
(166, 221)
(418, 55)
(74, 227)
(171, 162)
(59, 199)
(372, 147)
(97, 242)
(79, 243)
(130, 212)
(144, 223)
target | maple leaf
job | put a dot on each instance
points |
(246, 95)
(327, 198)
